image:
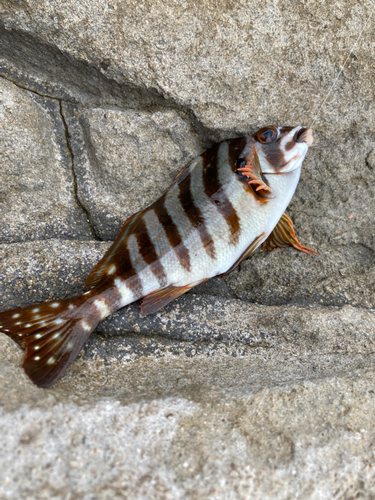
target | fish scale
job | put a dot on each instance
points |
(212, 217)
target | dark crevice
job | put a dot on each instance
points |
(75, 187)
(128, 323)
(109, 347)
(44, 96)
(369, 163)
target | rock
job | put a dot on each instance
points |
(37, 186)
(170, 426)
(232, 64)
(260, 384)
(43, 270)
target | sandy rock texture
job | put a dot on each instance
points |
(260, 385)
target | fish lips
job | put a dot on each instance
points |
(304, 135)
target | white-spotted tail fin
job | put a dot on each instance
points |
(53, 334)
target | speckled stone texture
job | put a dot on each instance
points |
(260, 385)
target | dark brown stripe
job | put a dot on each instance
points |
(195, 215)
(128, 274)
(216, 193)
(285, 130)
(274, 154)
(235, 148)
(148, 252)
(172, 233)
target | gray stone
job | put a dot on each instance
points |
(44, 270)
(49, 72)
(236, 65)
(169, 426)
(37, 185)
(258, 385)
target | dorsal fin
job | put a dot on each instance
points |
(182, 173)
(104, 265)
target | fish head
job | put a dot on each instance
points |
(281, 149)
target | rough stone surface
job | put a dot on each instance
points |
(173, 426)
(259, 385)
(37, 198)
(43, 270)
(232, 63)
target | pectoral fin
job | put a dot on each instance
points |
(283, 235)
(245, 255)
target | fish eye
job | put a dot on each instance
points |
(267, 135)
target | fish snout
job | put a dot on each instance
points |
(304, 135)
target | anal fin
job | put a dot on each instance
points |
(284, 235)
(155, 301)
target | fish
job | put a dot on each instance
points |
(220, 208)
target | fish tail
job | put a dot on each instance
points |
(52, 333)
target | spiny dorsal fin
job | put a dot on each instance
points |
(53, 334)
(283, 235)
(100, 270)
(182, 173)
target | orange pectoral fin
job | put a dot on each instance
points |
(283, 235)
(155, 301)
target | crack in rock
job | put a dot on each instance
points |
(68, 143)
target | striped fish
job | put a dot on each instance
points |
(219, 209)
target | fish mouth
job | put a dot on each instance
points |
(304, 135)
